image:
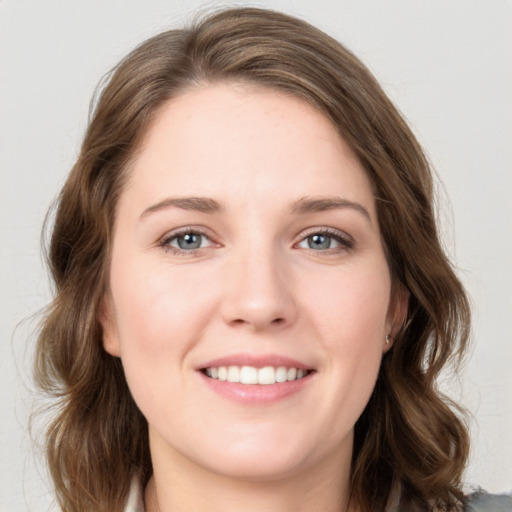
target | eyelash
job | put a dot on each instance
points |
(165, 242)
(345, 241)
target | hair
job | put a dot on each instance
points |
(409, 432)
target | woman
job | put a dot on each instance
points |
(252, 305)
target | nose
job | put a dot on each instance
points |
(259, 292)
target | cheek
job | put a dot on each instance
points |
(153, 317)
(351, 304)
(155, 307)
(158, 320)
(351, 317)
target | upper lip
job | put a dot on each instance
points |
(257, 361)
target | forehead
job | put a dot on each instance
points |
(236, 140)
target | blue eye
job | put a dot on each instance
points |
(188, 241)
(320, 242)
(185, 241)
(325, 240)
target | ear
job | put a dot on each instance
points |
(107, 321)
(397, 315)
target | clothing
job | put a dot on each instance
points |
(477, 502)
(135, 502)
(482, 501)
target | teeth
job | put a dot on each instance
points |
(252, 375)
(233, 374)
(267, 375)
(281, 374)
(248, 375)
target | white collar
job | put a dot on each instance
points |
(134, 502)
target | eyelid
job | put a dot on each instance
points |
(346, 241)
(165, 240)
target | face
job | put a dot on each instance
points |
(249, 292)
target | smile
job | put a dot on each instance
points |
(252, 375)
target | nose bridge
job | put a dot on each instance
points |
(259, 293)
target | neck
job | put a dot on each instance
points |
(183, 486)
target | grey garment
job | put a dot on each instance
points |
(478, 501)
(485, 502)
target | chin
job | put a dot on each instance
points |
(258, 466)
(267, 454)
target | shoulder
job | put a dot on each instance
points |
(482, 501)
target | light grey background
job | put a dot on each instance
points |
(446, 63)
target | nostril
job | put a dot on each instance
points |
(241, 322)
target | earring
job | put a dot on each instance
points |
(388, 339)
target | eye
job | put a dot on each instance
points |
(187, 240)
(319, 242)
(326, 240)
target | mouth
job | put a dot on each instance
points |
(252, 375)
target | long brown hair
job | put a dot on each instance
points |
(409, 433)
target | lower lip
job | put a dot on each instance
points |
(256, 393)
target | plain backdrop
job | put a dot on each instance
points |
(447, 64)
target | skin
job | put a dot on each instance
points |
(257, 284)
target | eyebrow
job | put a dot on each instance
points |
(302, 206)
(321, 204)
(197, 204)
